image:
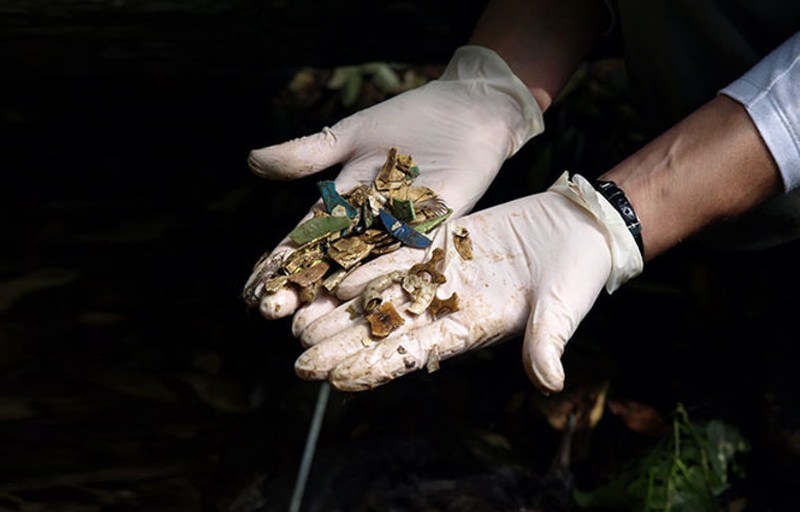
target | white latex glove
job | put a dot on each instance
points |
(539, 264)
(459, 129)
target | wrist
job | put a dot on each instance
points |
(711, 166)
(543, 41)
(496, 82)
(626, 257)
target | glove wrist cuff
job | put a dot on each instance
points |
(485, 67)
(626, 257)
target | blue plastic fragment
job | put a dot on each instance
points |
(331, 199)
(403, 232)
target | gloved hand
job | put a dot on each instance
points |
(539, 264)
(459, 129)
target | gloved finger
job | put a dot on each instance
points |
(286, 301)
(283, 302)
(280, 304)
(267, 264)
(316, 362)
(306, 315)
(303, 156)
(552, 322)
(341, 318)
(408, 352)
(541, 354)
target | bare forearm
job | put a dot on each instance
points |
(542, 40)
(711, 166)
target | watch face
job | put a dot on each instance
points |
(620, 202)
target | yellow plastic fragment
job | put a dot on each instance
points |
(440, 307)
(385, 320)
(310, 275)
(463, 243)
(349, 251)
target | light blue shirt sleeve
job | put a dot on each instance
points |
(770, 92)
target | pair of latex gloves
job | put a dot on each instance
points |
(539, 262)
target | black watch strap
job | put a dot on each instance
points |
(617, 198)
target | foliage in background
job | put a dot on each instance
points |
(686, 471)
(385, 77)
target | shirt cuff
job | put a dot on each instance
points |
(770, 92)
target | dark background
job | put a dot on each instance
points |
(132, 377)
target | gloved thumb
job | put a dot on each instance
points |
(549, 329)
(603, 253)
(300, 157)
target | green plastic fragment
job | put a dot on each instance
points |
(413, 171)
(424, 227)
(317, 227)
(331, 199)
(403, 209)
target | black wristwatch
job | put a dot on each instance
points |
(617, 198)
